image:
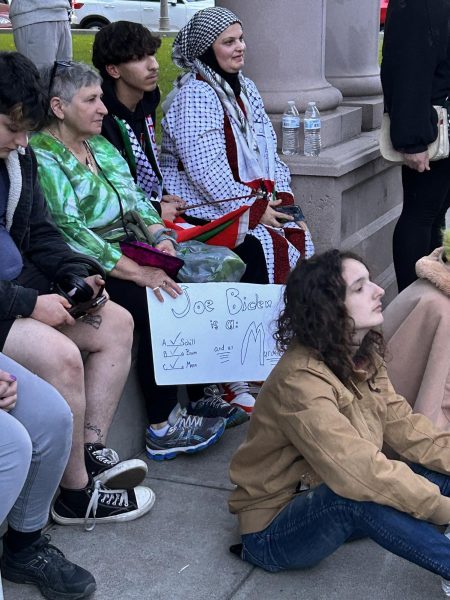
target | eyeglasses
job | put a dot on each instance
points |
(58, 64)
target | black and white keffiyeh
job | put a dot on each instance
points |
(200, 33)
(192, 41)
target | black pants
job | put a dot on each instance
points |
(426, 198)
(251, 252)
(160, 399)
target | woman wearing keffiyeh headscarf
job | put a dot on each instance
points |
(218, 143)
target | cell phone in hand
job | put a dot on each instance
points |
(293, 210)
(80, 310)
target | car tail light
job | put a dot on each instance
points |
(76, 5)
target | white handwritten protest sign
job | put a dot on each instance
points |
(215, 332)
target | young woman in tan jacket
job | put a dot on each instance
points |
(312, 474)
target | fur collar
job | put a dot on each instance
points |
(434, 269)
(15, 186)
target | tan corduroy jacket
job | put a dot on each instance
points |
(308, 428)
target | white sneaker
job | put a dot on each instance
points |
(238, 393)
(446, 587)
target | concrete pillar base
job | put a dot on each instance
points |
(352, 198)
(338, 126)
(372, 110)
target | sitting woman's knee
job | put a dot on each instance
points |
(15, 446)
(120, 325)
(67, 365)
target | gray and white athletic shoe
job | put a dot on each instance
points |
(187, 434)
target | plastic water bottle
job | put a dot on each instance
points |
(291, 130)
(312, 130)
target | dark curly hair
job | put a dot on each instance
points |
(21, 94)
(121, 42)
(315, 315)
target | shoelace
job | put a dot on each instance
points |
(107, 456)
(239, 387)
(185, 421)
(44, 548)
(105, 496)
(214, 397)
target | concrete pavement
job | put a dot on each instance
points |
(179, 551)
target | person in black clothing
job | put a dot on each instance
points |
(415, 74)
(124, 53)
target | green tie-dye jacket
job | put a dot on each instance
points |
(81, 201)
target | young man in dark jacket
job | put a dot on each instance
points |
(124, 53)
(38, 331)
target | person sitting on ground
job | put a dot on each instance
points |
(311, 474)
(417, 331)
(88, 187)
(35, 434)
(125, 55)
(37, 330)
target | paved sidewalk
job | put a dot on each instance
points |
(179, 551)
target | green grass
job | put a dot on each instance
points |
(82, 52)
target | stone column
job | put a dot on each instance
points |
(351, 197)
(351, 55)
(286, 51)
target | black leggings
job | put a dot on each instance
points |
(426, 198)
(160, 399)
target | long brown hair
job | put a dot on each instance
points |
(315, 315)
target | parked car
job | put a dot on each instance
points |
(383, 9)
(96, 14)
(5, 23)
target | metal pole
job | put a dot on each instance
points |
(164, 21)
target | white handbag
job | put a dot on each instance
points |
(436, 150)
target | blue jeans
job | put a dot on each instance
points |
(316, 522)
(35, 441)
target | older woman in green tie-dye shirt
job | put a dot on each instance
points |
(88, 186)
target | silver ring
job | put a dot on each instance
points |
(164, 283)
(156, 288)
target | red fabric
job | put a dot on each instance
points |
(296, 237)
(257, 209)
(230, 148)
(280, 257)
(231, 229)
(287, 199)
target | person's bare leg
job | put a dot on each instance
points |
(107, 336)
(54, 357)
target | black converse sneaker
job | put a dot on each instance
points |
(213, 405)
(44, 565)
(103, 464)
(98, 504)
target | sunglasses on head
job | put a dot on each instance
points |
(58, 64)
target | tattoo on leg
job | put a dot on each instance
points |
(96, 430)
(94, 320)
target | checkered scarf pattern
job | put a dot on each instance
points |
(147, 179)
(191, 42)
(199, 34)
